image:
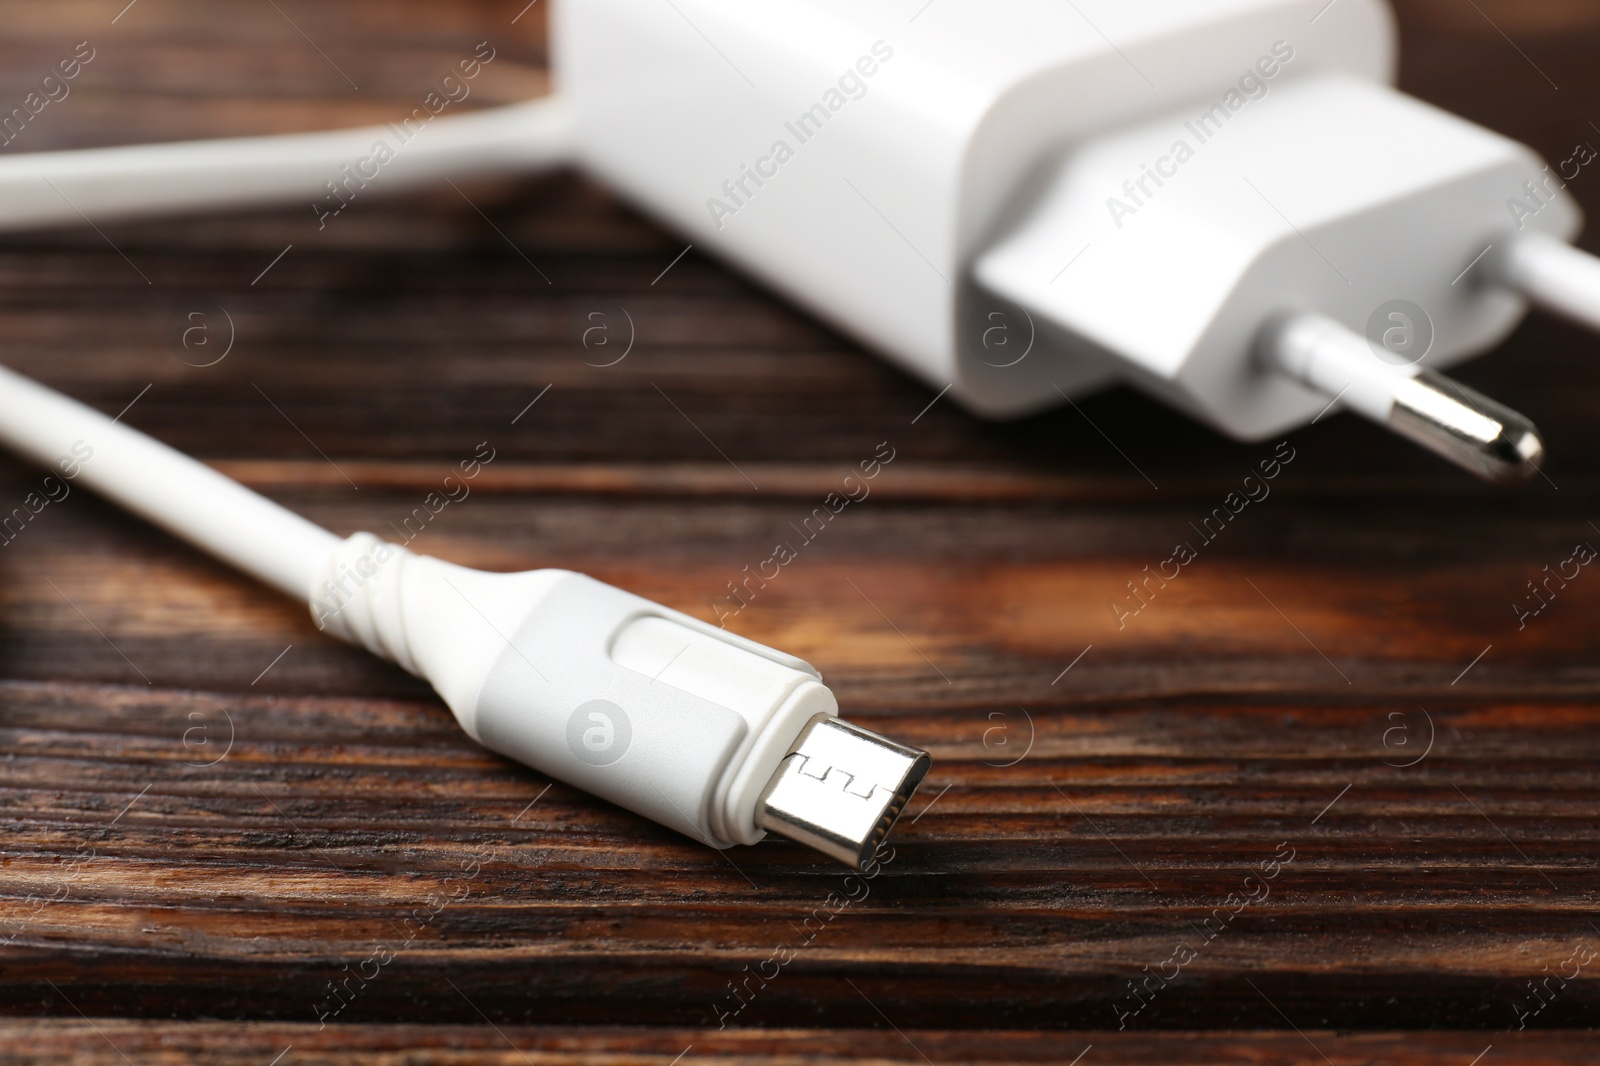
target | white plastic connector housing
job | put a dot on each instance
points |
(651, 709)
(935, 124)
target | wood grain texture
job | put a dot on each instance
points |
(251, 1044)
(209, 811)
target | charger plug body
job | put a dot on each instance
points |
(1326, 195)
(860, 159)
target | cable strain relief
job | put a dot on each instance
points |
(355, 595)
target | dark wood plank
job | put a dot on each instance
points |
(194, 827)
(233, 1044)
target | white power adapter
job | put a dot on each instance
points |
(1217, 201)
(1220, 202)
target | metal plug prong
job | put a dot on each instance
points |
(1553, 274)
(1444, 416)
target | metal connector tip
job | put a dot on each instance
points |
(1424, 406)
(840, 789)
(1467, 428)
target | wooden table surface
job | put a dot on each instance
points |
(1324, 775)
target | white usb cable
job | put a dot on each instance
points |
(1223, 203)
(706, 732)
(104, 184)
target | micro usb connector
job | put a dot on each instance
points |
(841, 789)
(636, 703)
